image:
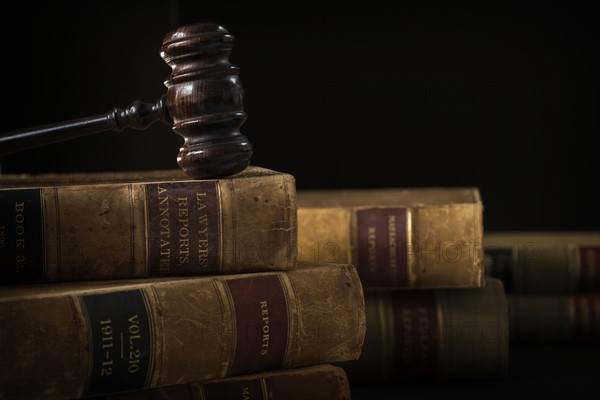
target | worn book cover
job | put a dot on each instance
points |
(434, 335)
(66, 227)
(397, 238)
(74, 339)
(554, 318)
(315, 382)
(544, 262)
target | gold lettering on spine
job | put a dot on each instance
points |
(202, 246)
(184, 231)
(424, 335)
(393, 261)
(245, 393)
(20, 235)
(164, 231)
(372, 243)
(264, 314)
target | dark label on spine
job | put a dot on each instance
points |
(416, 332)
(240, 390)
(121, 342)
(499, 264)
(589, 257)
(261, 319)
(21, 236)
(586, 318)
(183, 228)
(382, 248)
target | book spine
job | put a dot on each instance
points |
(136, 230)
(435, 334)
(539, 318)
(322, 382)
(145, 335)
(529, 267)
(398, 247)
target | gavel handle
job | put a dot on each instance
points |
(137, 115)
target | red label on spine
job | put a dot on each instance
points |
(586, 318)
(382, 249)
(416, 333)
(261, 318)
(589, 278)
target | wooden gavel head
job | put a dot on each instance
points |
(205, 100)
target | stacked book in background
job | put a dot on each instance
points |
(147, 284)
(432, 313)
(552, 281)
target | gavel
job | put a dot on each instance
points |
(204, 104)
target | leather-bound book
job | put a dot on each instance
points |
(397, 238)
(77, 226)
(544, 262)
(434, 335)
(315, 382)
(76, 339)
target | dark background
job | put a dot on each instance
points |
(502, 96)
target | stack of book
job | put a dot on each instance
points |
(552, 281)
(432, 312)
(153, 285)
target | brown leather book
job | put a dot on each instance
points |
(67, 227)
(397, 238)
(315, 382)
(75, 339)
(544, 262)
(547, 318)
(434, 335)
